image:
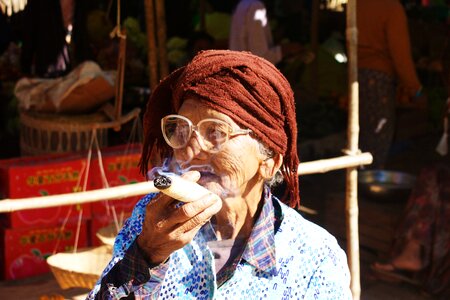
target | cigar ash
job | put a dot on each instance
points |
(162, 182)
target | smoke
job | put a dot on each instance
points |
(209, 178)
(170, 166)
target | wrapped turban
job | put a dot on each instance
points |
(248, 89)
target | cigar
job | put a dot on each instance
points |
(178, 188)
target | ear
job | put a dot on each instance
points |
(270, 166)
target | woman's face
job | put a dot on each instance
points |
(229, 172)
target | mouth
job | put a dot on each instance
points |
(207, 177)
(207, 173)
(203, 169)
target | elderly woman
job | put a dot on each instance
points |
(226, 121)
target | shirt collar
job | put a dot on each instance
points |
(260, 248)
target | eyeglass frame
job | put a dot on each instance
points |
(194, 127)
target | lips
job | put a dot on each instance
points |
(207, 174)
(200, 168)
(207, 177)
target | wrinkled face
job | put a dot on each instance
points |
(228, 172)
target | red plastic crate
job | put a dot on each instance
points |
(24, 250)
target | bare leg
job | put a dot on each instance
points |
(409, 259)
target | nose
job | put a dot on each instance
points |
(193, 149)
(196, 142)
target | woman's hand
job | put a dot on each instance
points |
(168, 227)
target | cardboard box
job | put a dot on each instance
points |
(41, 176)
(120, 165)
(24, 250)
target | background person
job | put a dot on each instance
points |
(384, 59)
(420, 252)
(250, 31)
(229, 118)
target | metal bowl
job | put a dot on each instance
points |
(387, 186)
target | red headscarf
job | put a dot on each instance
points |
(245, 87)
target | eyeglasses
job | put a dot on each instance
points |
(177, 131)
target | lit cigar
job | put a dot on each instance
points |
(179, 188)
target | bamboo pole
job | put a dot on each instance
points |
(112, 193)
(151, 40)
(314, 37)
(120, 77)
(119, 192)
(330, 164)
(351, 201)
(161, 35)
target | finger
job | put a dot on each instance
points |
(192, 209)
(159, 203)
(165, 210)
(174, 235)
(159, 211)
(185, 233)
(184, 238)
(201, 218)
(179, 212)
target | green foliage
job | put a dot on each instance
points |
(98, 27)
(176, 43)
(176, 51)
(135, 35)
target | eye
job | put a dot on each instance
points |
(177, 131)
(181, 132)
(214, 132)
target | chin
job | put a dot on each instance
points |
(213, 183)
(214, 187)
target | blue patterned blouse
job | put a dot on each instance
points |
(286, 257)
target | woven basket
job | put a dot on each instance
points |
(81, 269)
(107, 235)
(42, 133)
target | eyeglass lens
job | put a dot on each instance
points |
(178, 131)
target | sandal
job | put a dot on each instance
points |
(394, 274)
